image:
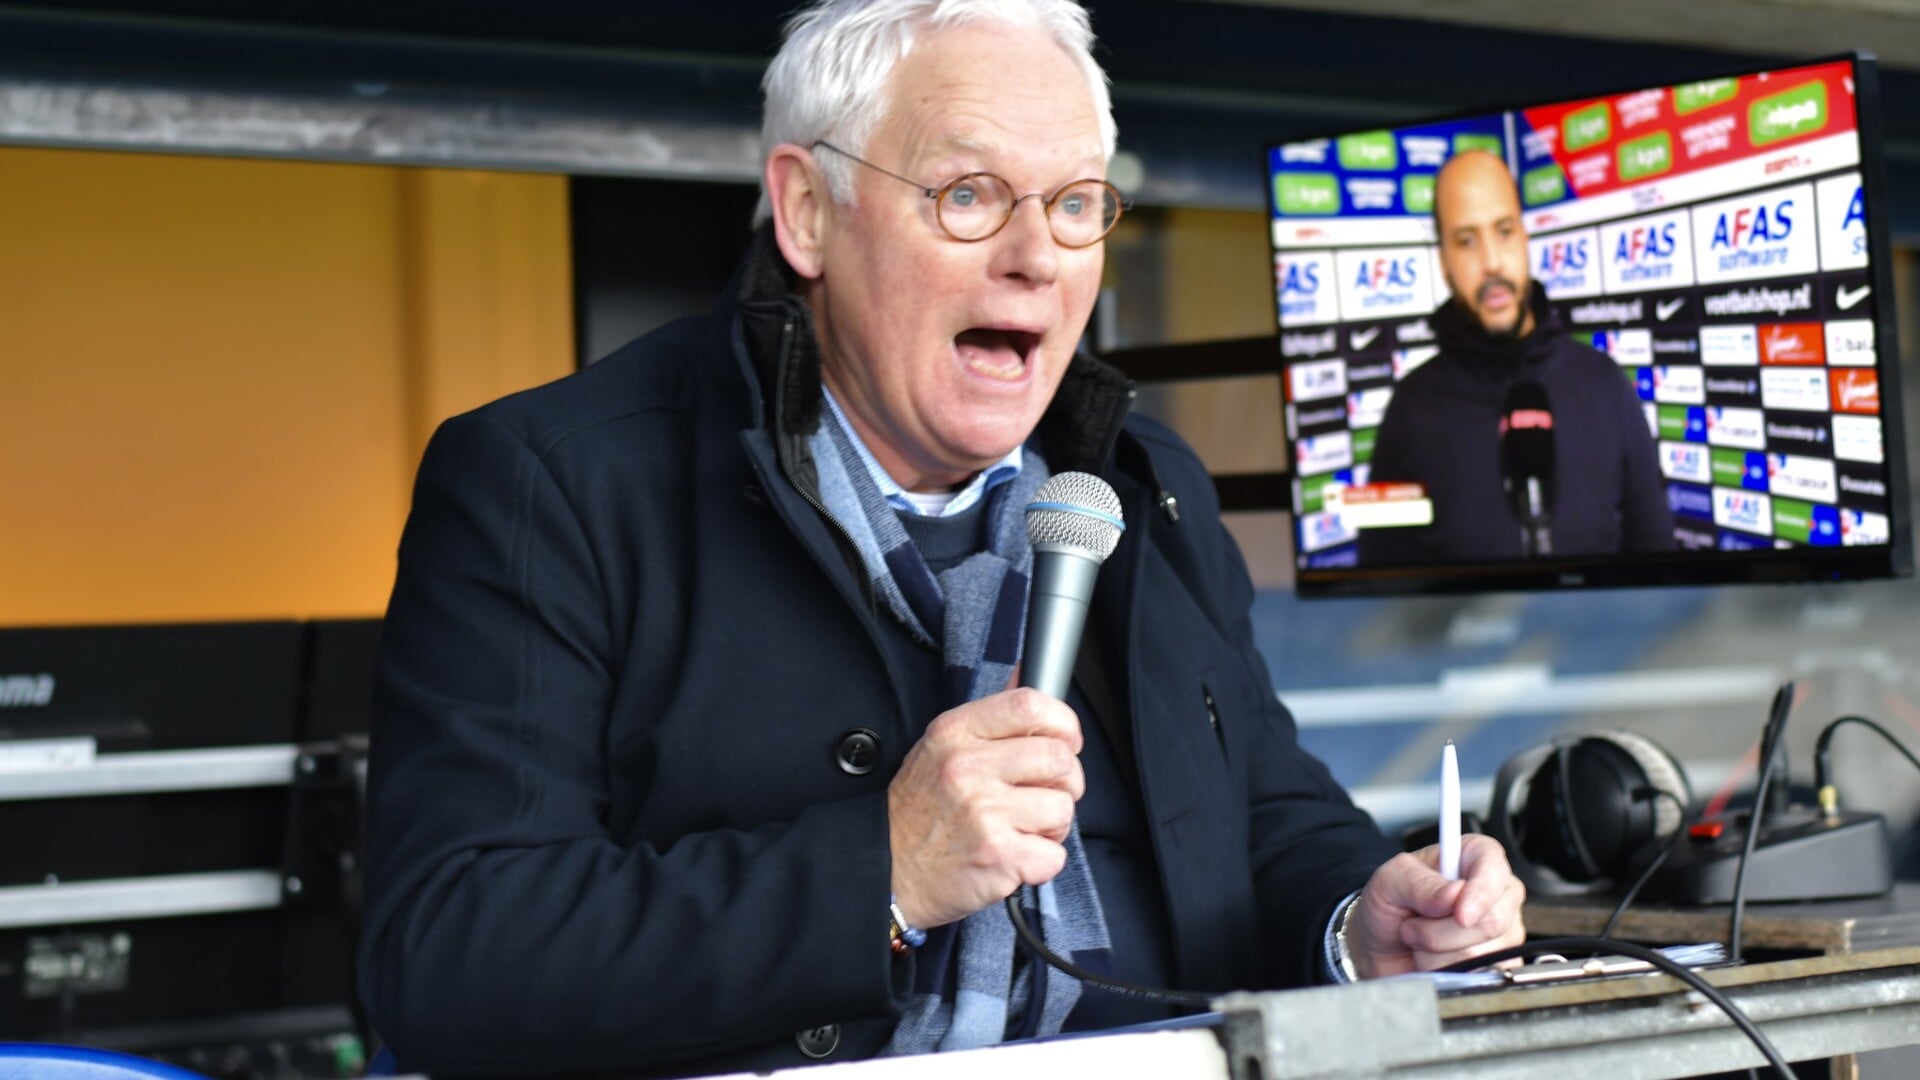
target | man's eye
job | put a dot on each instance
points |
(1073, 205)
(964, 197)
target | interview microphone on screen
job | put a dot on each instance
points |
(1073, 523)
(1526, 463)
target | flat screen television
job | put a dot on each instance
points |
(1672, 360)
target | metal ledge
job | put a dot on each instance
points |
(159, 896)
(151, 771)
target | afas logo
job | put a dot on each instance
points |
(1384, 283)
(1567, 265)
(1752, 236)
(1747, 511)
(1685, 461)
(1843, 222)
(1305, 296)
(1648, 253)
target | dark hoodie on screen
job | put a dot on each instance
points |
(1442, 430)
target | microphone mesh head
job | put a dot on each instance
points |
(1076, 510)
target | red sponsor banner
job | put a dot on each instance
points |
(1794, 343)
(1854, 390)
(1602, 128)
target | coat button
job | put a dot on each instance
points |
(818, 1042)
(857, 752)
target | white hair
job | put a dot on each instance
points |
(829, 78)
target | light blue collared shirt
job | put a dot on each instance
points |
(993, 476)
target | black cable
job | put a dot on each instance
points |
(1673, 844)
(1652, 956)
(1088, 978)
(1823, 753)
(1770, 739)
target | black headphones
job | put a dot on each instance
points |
(1578, 814)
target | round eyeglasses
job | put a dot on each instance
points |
(978, 205)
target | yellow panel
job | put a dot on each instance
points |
(211, 373)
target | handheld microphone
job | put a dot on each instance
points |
(1527, 463)
(1073, 523)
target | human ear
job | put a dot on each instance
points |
(799, 198)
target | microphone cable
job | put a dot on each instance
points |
(1658, 959)
(1033, 941)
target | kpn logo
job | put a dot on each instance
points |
(1787, 114)
(1311, 194)
(1374, 151)
(1650, 155)
(1586, 127)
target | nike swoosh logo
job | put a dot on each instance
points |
(1845, 299)
(1363, 338)
(1665, 308)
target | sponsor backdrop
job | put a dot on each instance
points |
(1710, 237)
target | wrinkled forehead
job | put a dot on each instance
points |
(989, 92)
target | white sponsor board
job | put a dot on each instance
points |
(1859, 527)
(1761, 234)
(1308, 293)
(1385, 283)
(1629, 348)
(1686, 461)
(1324, 530)
(1731, 426)
(1748, 511)
(1316, 379)
(1801, 477)
(1567, 264)
(1850, 343)
(1843, 222)
(1800, 389)
(1653, 252)
(1858, 438)
(1292, 232)
(1317, 454)
(1366, 408)
(1679, 384)
(1728, 346)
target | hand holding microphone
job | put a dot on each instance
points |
(984, 801)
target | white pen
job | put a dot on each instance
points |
(1449, 813)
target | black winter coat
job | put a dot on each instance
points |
(607, 829)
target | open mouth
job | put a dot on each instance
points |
(997, 353)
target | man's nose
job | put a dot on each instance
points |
(1029, 250)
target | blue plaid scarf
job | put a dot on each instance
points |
(968, 990)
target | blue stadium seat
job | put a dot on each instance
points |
(43, 1061)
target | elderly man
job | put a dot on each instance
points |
(695, 747)
(1443, 426)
